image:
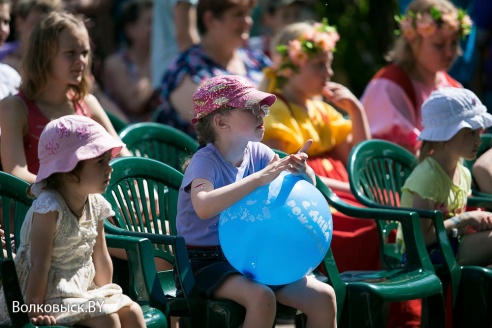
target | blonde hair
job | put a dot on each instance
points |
(42, 48)
(288, 33)
(427, 148)
(402, 53)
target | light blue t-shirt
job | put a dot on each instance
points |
(164, 45)
(208, 163)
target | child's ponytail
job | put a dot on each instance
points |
(427, 149)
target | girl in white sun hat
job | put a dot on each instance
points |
(452, 120)
(62, 261)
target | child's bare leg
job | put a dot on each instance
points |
(476, 249)
(259, 300)
(160, 264)
(314, 298)
(106, 321)
(131, 316)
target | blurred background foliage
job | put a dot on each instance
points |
(366, 29)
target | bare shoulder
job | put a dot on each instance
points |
(13, 110)
(90, 99)
(11, 101)
(97, 112)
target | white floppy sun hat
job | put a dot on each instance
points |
(448, 110)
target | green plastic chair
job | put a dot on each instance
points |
(155, 219)
(14, 205)
(377, 171)
(367, 291)
(160, 142)
(136, 249)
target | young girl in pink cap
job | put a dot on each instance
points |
(62, 262)
(230, 164)
(55, 82)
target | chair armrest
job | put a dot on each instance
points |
(451, 266)
(480, 199)
(181, 261)
(414, 240)
(143, 274)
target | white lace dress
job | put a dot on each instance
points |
(71, 276)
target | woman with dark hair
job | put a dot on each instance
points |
(127, 73)
(224, 28)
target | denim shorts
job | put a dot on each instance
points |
(210, 268)
(434, 251)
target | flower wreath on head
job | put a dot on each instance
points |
(322, 38)
(426, 24)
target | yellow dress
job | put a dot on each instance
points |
(291, 124)
(71, 275)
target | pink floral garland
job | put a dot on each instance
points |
(321, 39)
(426, 24)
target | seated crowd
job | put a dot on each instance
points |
(62, 86)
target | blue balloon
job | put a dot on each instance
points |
(279, 233)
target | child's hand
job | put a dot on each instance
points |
(273, 170)
(476, 221)
(40, 319)
(341, 97)
(298, 164)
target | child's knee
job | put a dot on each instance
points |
(326, 294)
(136, 310)
(329, 293)
(263, 297)
(133, 313)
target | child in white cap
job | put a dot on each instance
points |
(452, 120)
(63, 264)
(232, 163)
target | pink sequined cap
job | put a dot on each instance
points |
(227, 90)
(70, 139)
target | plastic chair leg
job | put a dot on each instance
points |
(366, 311)
(300, 321)
(474, 301)
(433, 312)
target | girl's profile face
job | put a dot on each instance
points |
(72, 58)
(314, 74)
(246, 125)
(436, 52)
(95, 174)
(465, 143)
